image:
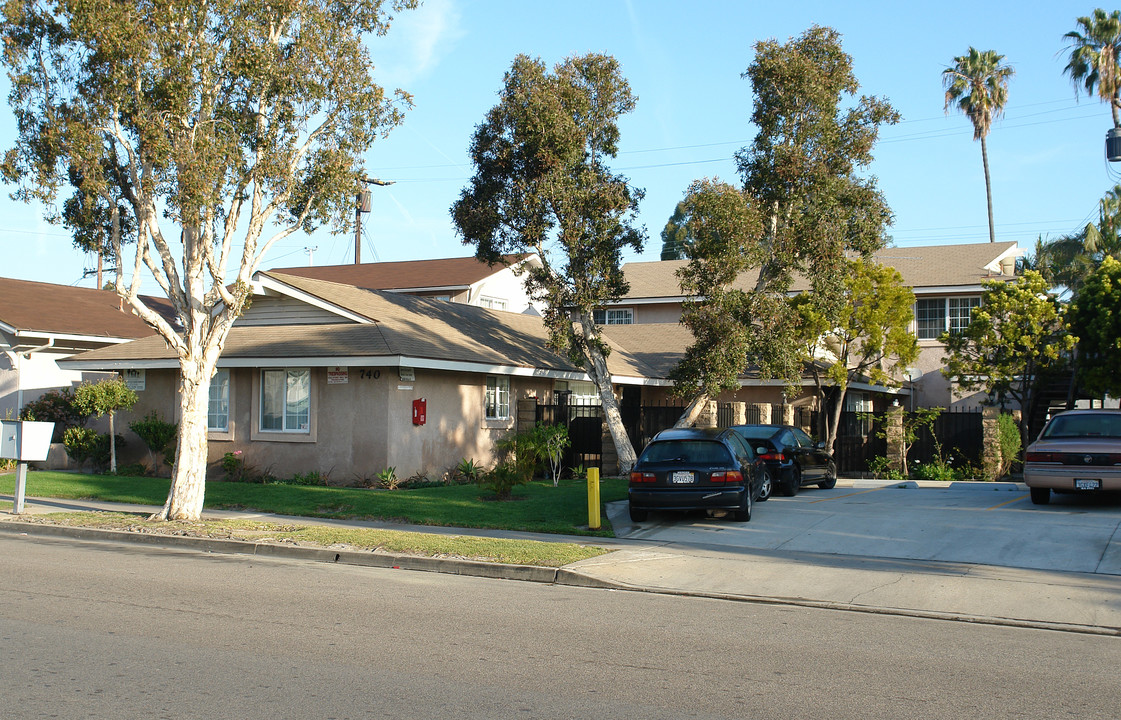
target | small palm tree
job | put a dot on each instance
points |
(977, 85)
(1095, 49)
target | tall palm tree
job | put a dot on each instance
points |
(977, 85)
(1095, 49)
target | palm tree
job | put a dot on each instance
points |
(1095, 51)
(977, 85)
(1069, 259)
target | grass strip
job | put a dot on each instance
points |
(496, 550)
(536, 507)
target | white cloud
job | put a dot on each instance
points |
(416, 42)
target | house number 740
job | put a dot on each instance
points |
(368, 374)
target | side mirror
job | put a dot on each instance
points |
(821, 445)
(761, 451)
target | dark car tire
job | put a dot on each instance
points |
(791, 487)
(766, 487)
(830, 481)
(1040, 496)
(744, 513)
(638, 515)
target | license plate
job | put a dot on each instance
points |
(1080, 484)
(681, 477)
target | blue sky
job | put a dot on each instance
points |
(684, 62)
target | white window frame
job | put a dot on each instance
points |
(492, 303)
(951, 315)
(497, 400)
(613, 316)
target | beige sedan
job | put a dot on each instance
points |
(1078, 451)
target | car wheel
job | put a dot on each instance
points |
(792, 486)
(766, 487)
(1040, 496)
(638, 515)
(830, 480)
(744, 513)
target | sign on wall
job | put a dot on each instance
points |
(338, 375)
(135, 380)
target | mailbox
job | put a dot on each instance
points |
(25, 440)
(420, 411)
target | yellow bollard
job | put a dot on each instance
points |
(593, 498)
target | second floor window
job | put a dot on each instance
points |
(614, 316)
(934, 316)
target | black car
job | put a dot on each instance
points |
(792, 458)
(696, 469)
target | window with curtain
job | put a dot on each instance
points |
(286, 400)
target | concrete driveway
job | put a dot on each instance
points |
(983, 523)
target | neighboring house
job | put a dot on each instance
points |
(332, 378)
(462, 280)
(947, 281)
(42, 323)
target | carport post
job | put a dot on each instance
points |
(593, 498)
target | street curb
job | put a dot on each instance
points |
(525, 573)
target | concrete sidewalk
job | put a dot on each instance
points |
(1079, 602)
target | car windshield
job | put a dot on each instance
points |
(756, 433)
(699, 452)
(1071, 426)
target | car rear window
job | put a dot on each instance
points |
(698, 452)
(1104, 425)
(757, 433)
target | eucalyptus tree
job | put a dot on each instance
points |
(1095, 51)
(804, 206)
(675, 235)
(542, 184)
(203, 131)
(1096, 322)
(977, 85)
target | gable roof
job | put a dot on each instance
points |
(43, 309)
(931, 266)
(440, 274)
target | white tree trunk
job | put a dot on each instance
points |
(689, 417)
(112, 445)
(188, 476)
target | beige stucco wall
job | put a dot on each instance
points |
(357, 429)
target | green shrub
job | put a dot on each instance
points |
(467, 471)
(156, 434)
(235, 468)
(1008, 436)
(933, 470)
(55, 406)
(310, 478)
(881, 468)
(503, 479)
(388, 478)
(86, 444)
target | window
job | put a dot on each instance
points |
(286, 400)
(961, 312)
(498, 397)
(613, 316)
(579, 392)
(930, 318)
(492, 303)
(934, 316)
(218, 409)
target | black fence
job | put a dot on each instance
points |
(957, 435)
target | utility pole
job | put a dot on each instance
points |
(311, 255)
(362, 205)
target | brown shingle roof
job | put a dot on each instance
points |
(410, 274)
(37, 307)
(928, 266)
(401, 325)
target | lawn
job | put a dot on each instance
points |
(536, 507)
